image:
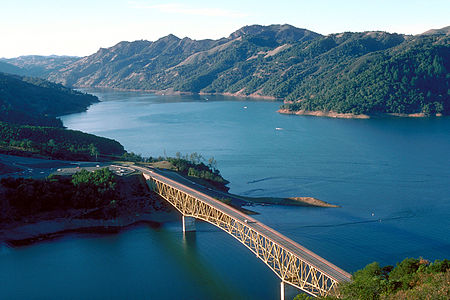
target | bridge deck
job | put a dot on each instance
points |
(300, 251)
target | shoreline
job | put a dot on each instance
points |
(170, 91)
(319, 113)
(291, 201)
(255, 96)
(135, 209)
(26, 233)
(332, 114)
(44, 228)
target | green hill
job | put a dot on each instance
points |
(409, 77)
(35, 101)
(29, 108)
(410, 279)
(55, 142)
(359, 73)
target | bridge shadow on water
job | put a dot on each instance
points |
(197, 269)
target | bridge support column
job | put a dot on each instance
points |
(188, 224)
(287, 291)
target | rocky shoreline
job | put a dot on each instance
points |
(332, 114)
(318, 113)
(22, 233)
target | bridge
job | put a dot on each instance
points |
(295, 265)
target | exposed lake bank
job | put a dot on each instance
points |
(318, 113)
(332, 114)
(41, 227)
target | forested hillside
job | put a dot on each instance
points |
(57, 143)
(358, 73)
(35, 101)
(411, 77)
(410, 279)
(28, 124)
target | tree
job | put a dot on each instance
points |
(212, 163)
(93, 150)
(367, 284)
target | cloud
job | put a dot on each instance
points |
(178, 8)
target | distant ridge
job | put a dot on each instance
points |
(11, 69)
(280, 33)
(37, 65)
(445, 31)
(352, 73)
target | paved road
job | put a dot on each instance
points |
(29, 167)
(235, 200)
(201, 193)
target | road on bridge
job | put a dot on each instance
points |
(201, 193)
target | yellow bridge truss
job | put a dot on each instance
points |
(289, 267)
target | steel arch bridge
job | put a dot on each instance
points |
(292, 263)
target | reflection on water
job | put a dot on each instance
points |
(141, 263)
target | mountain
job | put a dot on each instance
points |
(58, 143)
(28, 124)
(352, 72)
(129, 63)
(152, 65)
(37, 65)
(371, 75)
(9, 68)
(279, 34)
(35, 101)
(444, 30)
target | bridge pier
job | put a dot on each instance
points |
(287, 291)
(188, 224)
(285, 257)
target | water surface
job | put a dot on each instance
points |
(390, 176)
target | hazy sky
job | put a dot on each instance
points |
(80, 27)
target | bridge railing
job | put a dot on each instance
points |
(287, 265)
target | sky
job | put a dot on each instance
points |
(81, 27)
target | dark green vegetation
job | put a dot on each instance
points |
(378, 73)
(35, 101)
(58, 143)
(84, 195)
(359, 73)
(193, 165)
(410, 279)
(23, 197)
(28, 123)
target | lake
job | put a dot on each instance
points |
(390, 176)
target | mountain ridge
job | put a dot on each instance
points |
(281, 61)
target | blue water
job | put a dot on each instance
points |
(390, 176)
